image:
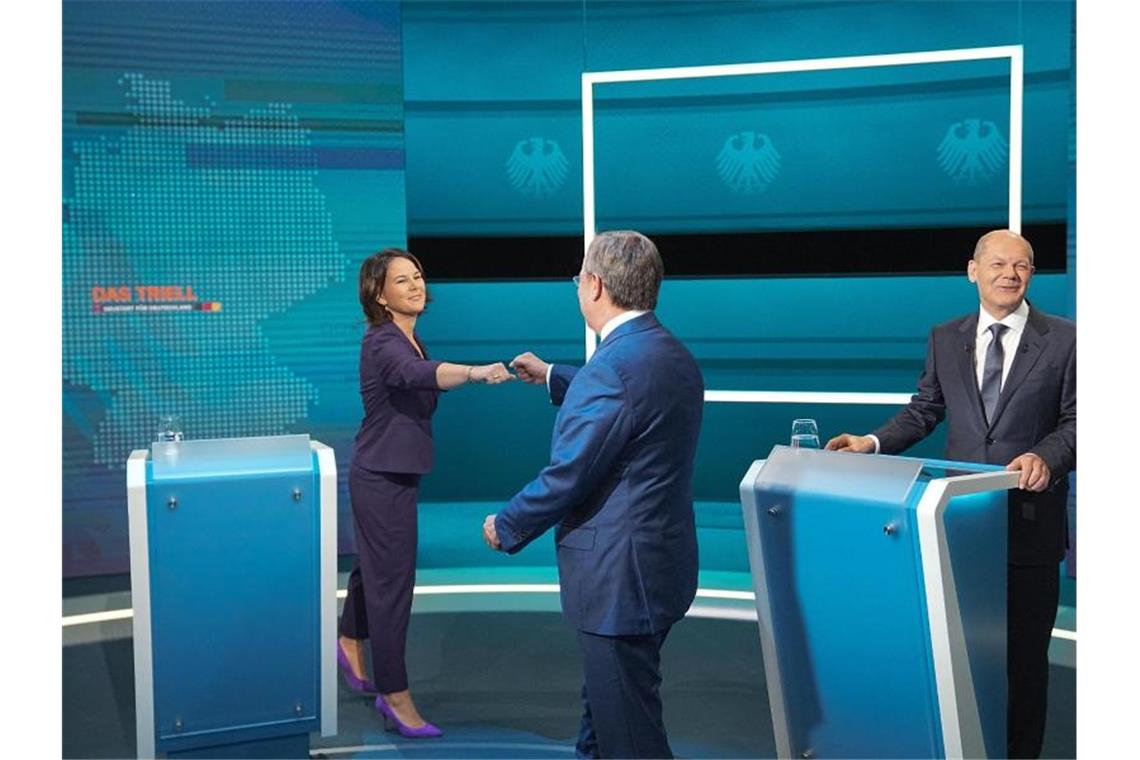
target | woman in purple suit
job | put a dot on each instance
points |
(400, 386)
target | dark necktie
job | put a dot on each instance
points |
(991, 374)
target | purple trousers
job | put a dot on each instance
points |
(379, 601)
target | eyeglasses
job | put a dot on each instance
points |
(576, 279)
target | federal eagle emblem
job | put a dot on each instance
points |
(537, 167)
(748, 162)
(972, 152)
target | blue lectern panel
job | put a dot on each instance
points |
(234, 618)
(847, 605)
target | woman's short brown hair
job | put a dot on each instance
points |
(373, 273)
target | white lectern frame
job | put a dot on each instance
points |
(140, 595)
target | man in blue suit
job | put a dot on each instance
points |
(619, 487)
(1006, 376)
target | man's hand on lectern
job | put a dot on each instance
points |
(1035, 474)
(858, 444)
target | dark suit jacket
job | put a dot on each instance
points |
(1036, 412)
(400, 394)
(620, 483)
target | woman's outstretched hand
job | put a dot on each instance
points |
(491, 374)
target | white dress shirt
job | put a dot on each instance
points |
(618, 321)
(1010, 340)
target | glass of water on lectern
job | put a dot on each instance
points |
(805, 434)
(169, 428)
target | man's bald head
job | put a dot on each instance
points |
(1001, 236)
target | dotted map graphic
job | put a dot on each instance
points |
(225, 207)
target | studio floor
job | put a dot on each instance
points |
(499, 673)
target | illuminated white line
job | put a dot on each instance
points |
(805, 397)
(98, 617)
(479, 588)
(490, 588)
(315, 751)
(589, 223)
(1016, 85)
(591, 342)
(1015, 54)
(808, 64)
(721, 613)
(700, 611)
(713, 593)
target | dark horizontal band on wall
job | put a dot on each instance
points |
(606, 103)
(805, 253)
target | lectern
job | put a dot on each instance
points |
(233, 585)
(880, 593)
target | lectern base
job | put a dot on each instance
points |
(295, 746)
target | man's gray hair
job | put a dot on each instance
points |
(630, 268)
(984, 240)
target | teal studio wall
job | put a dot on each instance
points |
(859, 151)
(226, 166)
(242, 163)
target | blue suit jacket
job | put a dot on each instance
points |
(400, 393)
(1036, 412)
(620, 483)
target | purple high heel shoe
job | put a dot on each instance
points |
(426, 731)
(360, 685)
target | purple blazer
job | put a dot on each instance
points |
(400, 394)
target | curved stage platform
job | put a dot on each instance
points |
(493, 664)
(507, 684)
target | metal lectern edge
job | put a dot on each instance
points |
(957, 704)
(764, 617)
(326, 465)
(140, 603)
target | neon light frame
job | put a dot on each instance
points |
(1015, 54)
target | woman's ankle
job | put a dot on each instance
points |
(354, 654)
(398, 698)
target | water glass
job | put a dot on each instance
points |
(805, 434)
(169, 428)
